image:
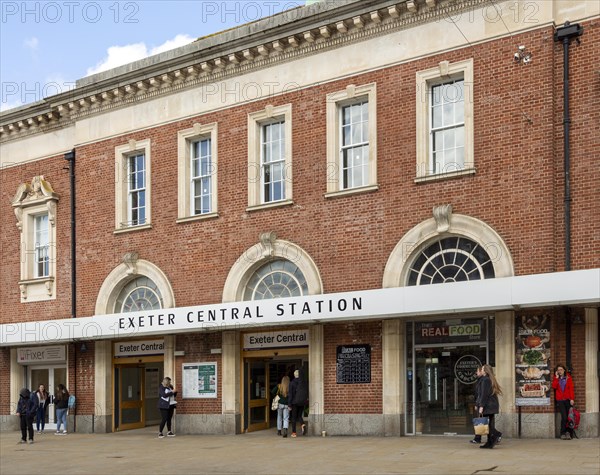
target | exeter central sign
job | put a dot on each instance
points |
(277, 339)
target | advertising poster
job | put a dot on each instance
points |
(199, 380)
(532, 360)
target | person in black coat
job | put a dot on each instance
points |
(297, 397)
(26, 409)
(488, 404)
(479, 373)
(166, 405)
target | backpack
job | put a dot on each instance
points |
(573, 418)
(72, 402)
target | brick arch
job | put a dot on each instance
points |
(124, 273)
(431, 230)
(267, 249)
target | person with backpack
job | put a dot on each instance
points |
(61, 401)
(26, 409)
(297, 397)
(564, 397)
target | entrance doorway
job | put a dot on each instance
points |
(261, 375)
(50, 377)
(136, 394)
(443, 357)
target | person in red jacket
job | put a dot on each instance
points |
(565, 398)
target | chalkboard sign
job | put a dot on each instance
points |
(353, 364)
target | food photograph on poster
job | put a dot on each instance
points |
(532, 360)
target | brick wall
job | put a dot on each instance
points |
(353, 398)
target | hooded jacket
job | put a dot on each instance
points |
(568, 393)
(28, 403)
(164, 396)
(298, 392)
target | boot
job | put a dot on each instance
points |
(284, 433)
(278, 432)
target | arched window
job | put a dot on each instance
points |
(452, 259)
(139, 294)
(276, 279)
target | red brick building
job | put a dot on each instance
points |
(280, 195)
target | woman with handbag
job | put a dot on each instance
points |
(283, 412)
(488, 404)
(564, 397)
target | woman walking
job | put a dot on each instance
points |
(565, 398)
(283, 412)
(488, 404)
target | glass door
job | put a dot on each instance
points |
(442, 359)
(445, 387)
(257, 395)
(131, 398)
(50, 377)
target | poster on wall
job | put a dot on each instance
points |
(353, 364)
(199, 380)
(532, 360)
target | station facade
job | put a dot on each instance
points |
(372, 192)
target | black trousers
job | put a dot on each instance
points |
(493, 435)
(26, 426)
(297, 412)
(167, 416)
(563, 408)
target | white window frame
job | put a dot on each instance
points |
(263, 164)
(122, 191)
(185, 201)
(336, 101)
(138, 190)
(38, 259)
(256, 121)
(31, 202)
(425, 80)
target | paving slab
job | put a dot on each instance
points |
(141, 452)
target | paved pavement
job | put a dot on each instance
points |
(141, 452)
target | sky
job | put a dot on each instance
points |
(45, 46)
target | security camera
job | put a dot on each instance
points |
(521, 48)
(517, 57)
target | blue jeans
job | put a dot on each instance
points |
(40, 417)
(283, 415)
(61, 418)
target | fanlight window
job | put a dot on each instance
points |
(277, 279)
(139, 294)
(452, 259)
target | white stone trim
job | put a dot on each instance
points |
(335, 101)
(426, 232)
(121, 275)
(268, 249)
(122, 152)
(255, 121)
(424, 81)
(184, 139)
(591, 361)
(31, 200)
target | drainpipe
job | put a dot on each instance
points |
(70, 157)
(565, 35)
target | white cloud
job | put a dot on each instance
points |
(119, 55)
(31, 43)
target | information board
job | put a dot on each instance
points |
(199, 380)
(353, 364)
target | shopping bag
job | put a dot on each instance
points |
(481, 425)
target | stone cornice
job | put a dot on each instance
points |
(327, 32)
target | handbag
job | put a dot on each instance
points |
(481, 425)
(275, 403)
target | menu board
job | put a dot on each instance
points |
(532, 360)
(199, 380)
(353, 364)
